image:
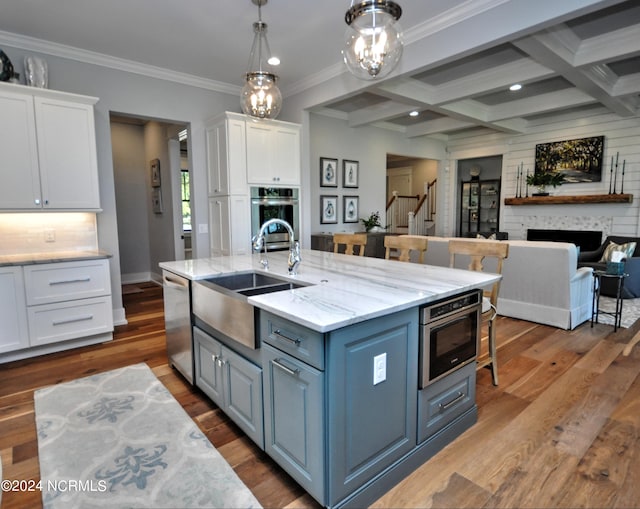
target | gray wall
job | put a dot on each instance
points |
(132, 199)
(134, 94)
(330, 137)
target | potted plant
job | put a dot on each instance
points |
(542, 179)
(372, 223)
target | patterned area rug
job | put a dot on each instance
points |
(630, 311)
(119, 439)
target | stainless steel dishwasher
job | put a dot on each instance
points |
(177, 320)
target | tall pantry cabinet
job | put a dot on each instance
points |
(244, 152)
(48, 147)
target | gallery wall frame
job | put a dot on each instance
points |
(328, 172)
(350, 173)
(578, 160)
(350, 205)
(155, 173)
(328, 209)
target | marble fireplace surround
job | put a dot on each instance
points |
(582, 223)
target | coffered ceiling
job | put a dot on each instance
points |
(460, 55)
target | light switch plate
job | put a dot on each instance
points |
(379, 368)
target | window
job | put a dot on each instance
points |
(186, 200)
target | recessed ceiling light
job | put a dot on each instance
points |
(414, 113)
(273, 61)
(514, 87)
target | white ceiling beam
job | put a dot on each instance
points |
(467, 109)
(407, 90)
(548, 49)
(491, 80)
(627, 85)
(542, 103)
(380, 112)
(438, 125)
(616, 45)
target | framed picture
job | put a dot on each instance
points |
(155, 173)
(577, 160)
(156, 201)
(328, 172)
(328, 209)
(350, 209)
(349, 173)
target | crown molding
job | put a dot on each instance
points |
(90, 57)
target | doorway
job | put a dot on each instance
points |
(147, 164)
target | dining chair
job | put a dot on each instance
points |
(349, 241)
(403, 245)
(477, 250)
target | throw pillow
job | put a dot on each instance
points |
(490, 237)
(627, 250)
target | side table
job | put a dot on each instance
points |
(617, 314)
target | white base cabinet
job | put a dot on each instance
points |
(14, 333)
(49, 304)
(48, 145)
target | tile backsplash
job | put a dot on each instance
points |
(47, 232)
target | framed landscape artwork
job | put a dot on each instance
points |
(328, 209)
(578, 160)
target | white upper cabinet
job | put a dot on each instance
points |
(227, 155)
(48, 149)
(273, 153)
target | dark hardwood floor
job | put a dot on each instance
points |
(561, 430)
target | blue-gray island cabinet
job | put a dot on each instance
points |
(341, 409)
(344, 438)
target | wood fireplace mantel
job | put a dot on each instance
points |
(570, 199)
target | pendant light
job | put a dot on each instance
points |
(260, 96)
(373, 41)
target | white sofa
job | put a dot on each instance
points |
(540, 281)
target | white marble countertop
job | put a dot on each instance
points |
(51, 257)
(343, 289)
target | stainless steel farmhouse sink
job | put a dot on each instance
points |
(221, 302)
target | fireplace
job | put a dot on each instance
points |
(585, 240)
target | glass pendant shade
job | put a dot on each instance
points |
(260, 97)
(373, 40)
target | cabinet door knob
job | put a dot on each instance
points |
(37, 201)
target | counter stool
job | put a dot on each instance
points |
(478, 250)
(403, 245)
(350, 240)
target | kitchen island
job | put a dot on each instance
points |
(331, 391)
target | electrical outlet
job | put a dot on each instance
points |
(379, 368)
(203, 228)
(49, 235)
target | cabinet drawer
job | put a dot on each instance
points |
(298, 341)
(57, 282)
(443, 401)
(51, 323)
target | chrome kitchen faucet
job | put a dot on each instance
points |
(257, 241)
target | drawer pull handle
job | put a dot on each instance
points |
(446, 406)
(286, 369)
(279, 334)
(72, 320)
(67, 281)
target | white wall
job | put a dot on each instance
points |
(621, 135)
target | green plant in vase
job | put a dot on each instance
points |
(542, 179)
(371, 222)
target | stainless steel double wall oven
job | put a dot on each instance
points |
(271, 203)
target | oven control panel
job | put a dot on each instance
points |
(437, 310)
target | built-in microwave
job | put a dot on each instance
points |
(275, 203)
(449, 335)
